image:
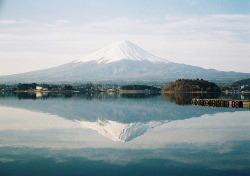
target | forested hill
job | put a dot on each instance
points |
(191, 85)
(239, 83)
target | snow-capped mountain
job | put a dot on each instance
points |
(121, 61)
(121, 50)
(121, 132)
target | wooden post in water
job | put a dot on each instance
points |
(221, 103)
(246, 104)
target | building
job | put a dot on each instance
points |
(39, 88)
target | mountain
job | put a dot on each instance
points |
(121, 61)
(119, 51)
(238, 83)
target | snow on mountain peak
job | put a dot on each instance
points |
(117, 131)
(121, 50)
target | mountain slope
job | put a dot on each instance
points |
(238, 83)
(121, 61)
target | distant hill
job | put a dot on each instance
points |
(238, 83)
(243, 85)
(191, 85)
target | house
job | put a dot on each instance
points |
(39, 88)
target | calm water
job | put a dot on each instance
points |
(102, 134)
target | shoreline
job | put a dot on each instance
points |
(127, 92)
(195, 92)
(107, 91)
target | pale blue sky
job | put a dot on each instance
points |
(41, 34)
(84, 11)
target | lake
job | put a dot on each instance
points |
(121, 134)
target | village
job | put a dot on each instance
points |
(74, 88)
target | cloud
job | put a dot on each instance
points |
(7, 21)
(61, 22)
(231, 16)
(179, 26)
(14, 22)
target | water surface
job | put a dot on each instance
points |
(129, 134)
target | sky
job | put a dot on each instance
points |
(42, 34)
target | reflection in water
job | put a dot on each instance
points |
(94, 107)
(171, 160)
(120, 132)
(44, 136)
(25, 95)
(185, 98)
(112, 115)
(89, 96)
(178, 98)
(138, 95)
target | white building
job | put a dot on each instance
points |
(39, 88)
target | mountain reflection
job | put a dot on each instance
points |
(124, 108)
(118, 131)
(120, 117)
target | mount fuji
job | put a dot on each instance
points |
(121, 61)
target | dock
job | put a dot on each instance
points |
(221, 103)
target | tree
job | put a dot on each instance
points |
(68, 87)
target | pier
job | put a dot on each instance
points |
(221, 103)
